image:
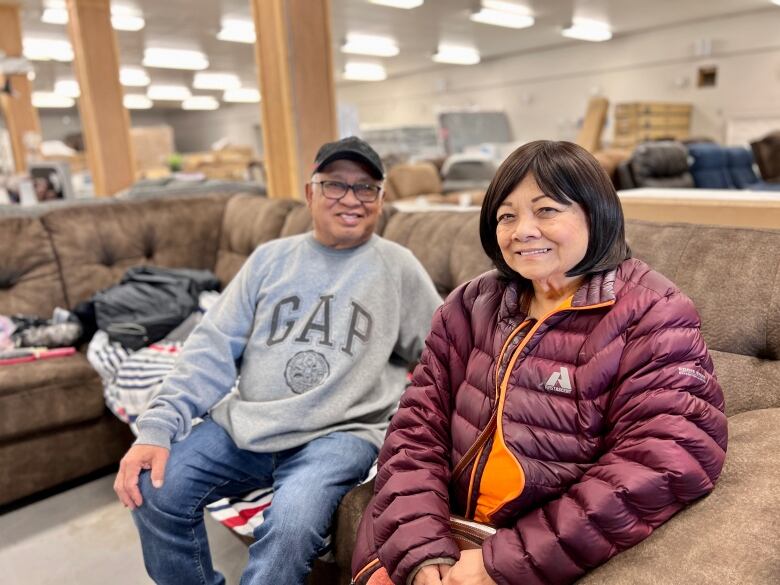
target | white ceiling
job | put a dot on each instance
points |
(194, 24)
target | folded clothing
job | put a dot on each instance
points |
(62, 330)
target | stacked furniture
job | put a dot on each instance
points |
(53, 426)
(704, 165)
(767, 153)
(720, 167)
(656, 164)
(636, 122)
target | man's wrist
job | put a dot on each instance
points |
(153, 435)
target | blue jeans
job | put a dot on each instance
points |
(308, 483)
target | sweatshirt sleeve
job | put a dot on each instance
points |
(665, 447)
(207, 366)
(410, 509)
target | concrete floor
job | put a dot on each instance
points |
(86, 536)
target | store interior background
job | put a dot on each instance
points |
(540, 79)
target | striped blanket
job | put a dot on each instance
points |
(130, 381)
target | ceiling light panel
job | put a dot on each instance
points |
(127, 22)
(457, 55)
(200, 102)
(44, 99)
(133, 77)
(588, 30)
(245, 95)
(55, 15)
(398, 3)
(237, 30)
(358, 71)
(506, 14)
(214, 80)
(175, 59)
(67, 87)
(125, 18)
(174, 93)
(47, 49)
(376, 46)
(136, 101)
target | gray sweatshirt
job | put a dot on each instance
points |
(321, 339)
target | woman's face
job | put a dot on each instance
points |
(541, 239)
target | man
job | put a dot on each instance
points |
(320, 327)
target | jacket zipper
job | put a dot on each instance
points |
(505, 384)
(365, 571)
(479, 443)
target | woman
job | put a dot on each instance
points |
(566, 398)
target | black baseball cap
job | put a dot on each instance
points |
(350, 148)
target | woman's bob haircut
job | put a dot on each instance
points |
(566, 173)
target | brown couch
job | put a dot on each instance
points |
(53, 426)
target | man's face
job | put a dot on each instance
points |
(346, 222)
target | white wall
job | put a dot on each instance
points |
(197, 130)
(545, 93)
(57, 124)
(193, 130)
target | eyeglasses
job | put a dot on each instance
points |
(335, 190)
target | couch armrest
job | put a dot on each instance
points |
(346, 524)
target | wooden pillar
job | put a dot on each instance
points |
(104, 119)
(295, 72)
(19, 114)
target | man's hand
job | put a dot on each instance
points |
(431, 574)
(469, 570)
(137, 458)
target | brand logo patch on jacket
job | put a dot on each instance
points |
(692, 373)
(559, 382)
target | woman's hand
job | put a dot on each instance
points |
(469, 570)
(431, 575)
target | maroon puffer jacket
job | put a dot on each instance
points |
(612, 447)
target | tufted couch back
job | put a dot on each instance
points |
(64, 255)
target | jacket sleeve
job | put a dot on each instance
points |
(664, 448)
(410, 509)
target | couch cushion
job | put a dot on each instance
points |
(30, 281)
(48, 394)
(446, 243)
(731, 274)
(411, 180)
(661, 164)
(740, 167)
(730, 537)
(748, 383)
(710, 166)
(97, 243)
(248, 222)
(45, 460)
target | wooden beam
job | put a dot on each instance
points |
(104, 119)
(295, 73)
(20, 116)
